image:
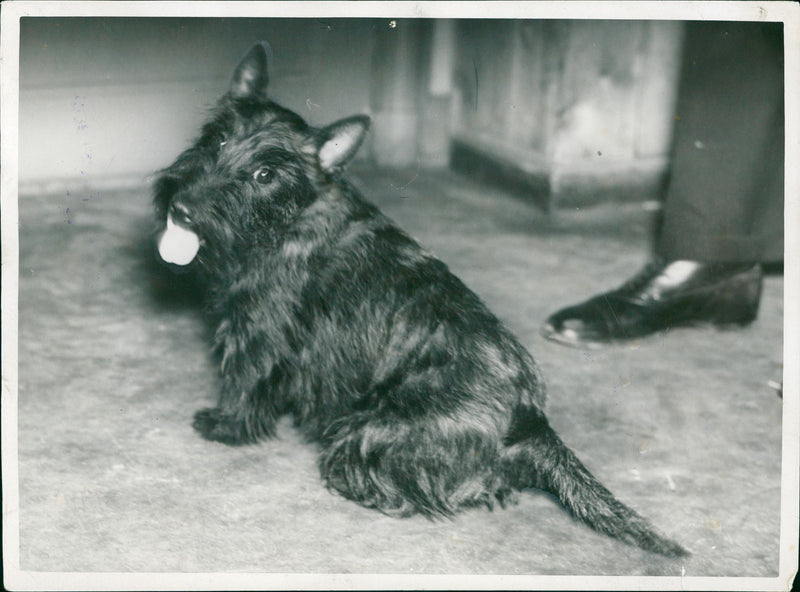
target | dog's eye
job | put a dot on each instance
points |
(264, 175)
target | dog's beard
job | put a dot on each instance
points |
(177, 244)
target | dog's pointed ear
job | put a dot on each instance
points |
(339, 142)
(250, 79)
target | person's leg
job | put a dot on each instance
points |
(723, 211)
(724, 201)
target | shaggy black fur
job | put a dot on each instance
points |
(422, 401)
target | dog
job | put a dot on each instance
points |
(420, 399)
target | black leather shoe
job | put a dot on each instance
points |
(661, 296)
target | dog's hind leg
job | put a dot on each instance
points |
(536, 457)
(402, 467)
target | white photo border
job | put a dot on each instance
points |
(12, 11)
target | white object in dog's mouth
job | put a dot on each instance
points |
(178, 245)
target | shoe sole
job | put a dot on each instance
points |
(562, 339)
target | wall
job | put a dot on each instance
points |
(110, 99)
(564, 107)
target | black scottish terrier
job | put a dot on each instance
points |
(421, 400)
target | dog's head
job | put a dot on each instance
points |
(254, 167)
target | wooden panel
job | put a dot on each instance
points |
(527, 120)
(659, 69)
(597, 93)
(485, 50)
(581, 100)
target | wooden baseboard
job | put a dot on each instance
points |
(483, 166)
(560, 185)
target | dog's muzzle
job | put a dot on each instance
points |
(178, 245)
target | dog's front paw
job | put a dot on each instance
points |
(215, 425)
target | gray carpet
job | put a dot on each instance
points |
(114, 359)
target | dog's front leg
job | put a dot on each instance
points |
(244, 413)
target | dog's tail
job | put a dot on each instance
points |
(536, 457)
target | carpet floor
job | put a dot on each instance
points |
(114, 359)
